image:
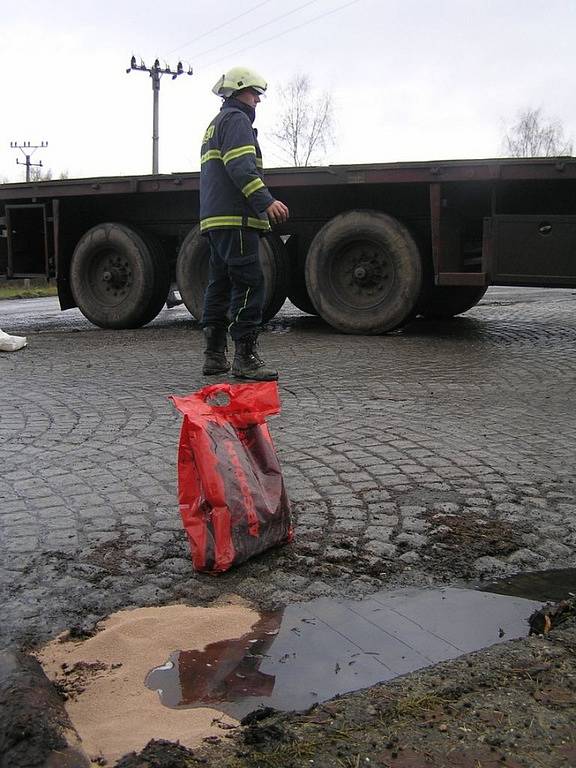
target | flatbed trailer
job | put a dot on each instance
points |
(367, 247)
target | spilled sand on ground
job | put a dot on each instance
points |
(111, 708)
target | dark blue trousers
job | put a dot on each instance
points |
(235, 292)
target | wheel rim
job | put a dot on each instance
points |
(110, 277)
(362, 274)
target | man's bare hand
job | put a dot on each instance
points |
(277, 212)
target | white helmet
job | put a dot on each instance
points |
(237, 79)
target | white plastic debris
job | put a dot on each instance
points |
(11, 343)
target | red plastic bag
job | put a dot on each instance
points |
(232, 497)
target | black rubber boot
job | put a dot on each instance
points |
(248, 364)
(215, 360)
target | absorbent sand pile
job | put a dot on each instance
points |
(104, 675)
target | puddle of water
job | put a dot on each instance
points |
(553, 585)
(313, 651)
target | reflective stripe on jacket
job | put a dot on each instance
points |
(232, 192)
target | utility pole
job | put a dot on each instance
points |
(156, 72)
(28, 150)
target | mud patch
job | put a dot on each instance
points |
(112, 556)
(460, 539)
(35, 730)
(76, 677)
(160, 754)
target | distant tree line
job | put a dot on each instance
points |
(37, 174)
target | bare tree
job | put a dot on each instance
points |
(39, 174)
(304, 129)
(531, 136)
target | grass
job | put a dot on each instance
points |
(26, 289)
(294, 753)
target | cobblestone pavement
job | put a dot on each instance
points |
(439, 453)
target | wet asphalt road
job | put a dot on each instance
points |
(442, 452)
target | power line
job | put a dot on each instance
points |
(254, 29)
(28, 150)
(156, 72)
(220, 26)
(284, 32)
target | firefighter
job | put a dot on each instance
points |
(236, 208)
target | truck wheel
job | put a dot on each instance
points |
(119, 276)
(163, 279)
(448, 300)
(276, 268)
(192, 272)
(364, 273)
(297, 248)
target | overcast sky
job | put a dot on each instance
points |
(411, 79)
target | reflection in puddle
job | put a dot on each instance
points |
(553, 585)
(310, 652)
(223, 671)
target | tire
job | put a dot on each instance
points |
(364, 273)
(445, 301)
(118, 276)
(276, 268)
(192, 273)
(164, 277)
(297, 248)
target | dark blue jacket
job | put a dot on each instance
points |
(232, 192)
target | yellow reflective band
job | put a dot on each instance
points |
(220, 221)
(259, 163)
(252, 186)
(259, 223)
(212, 154)
(232, 154)
(232, 221)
